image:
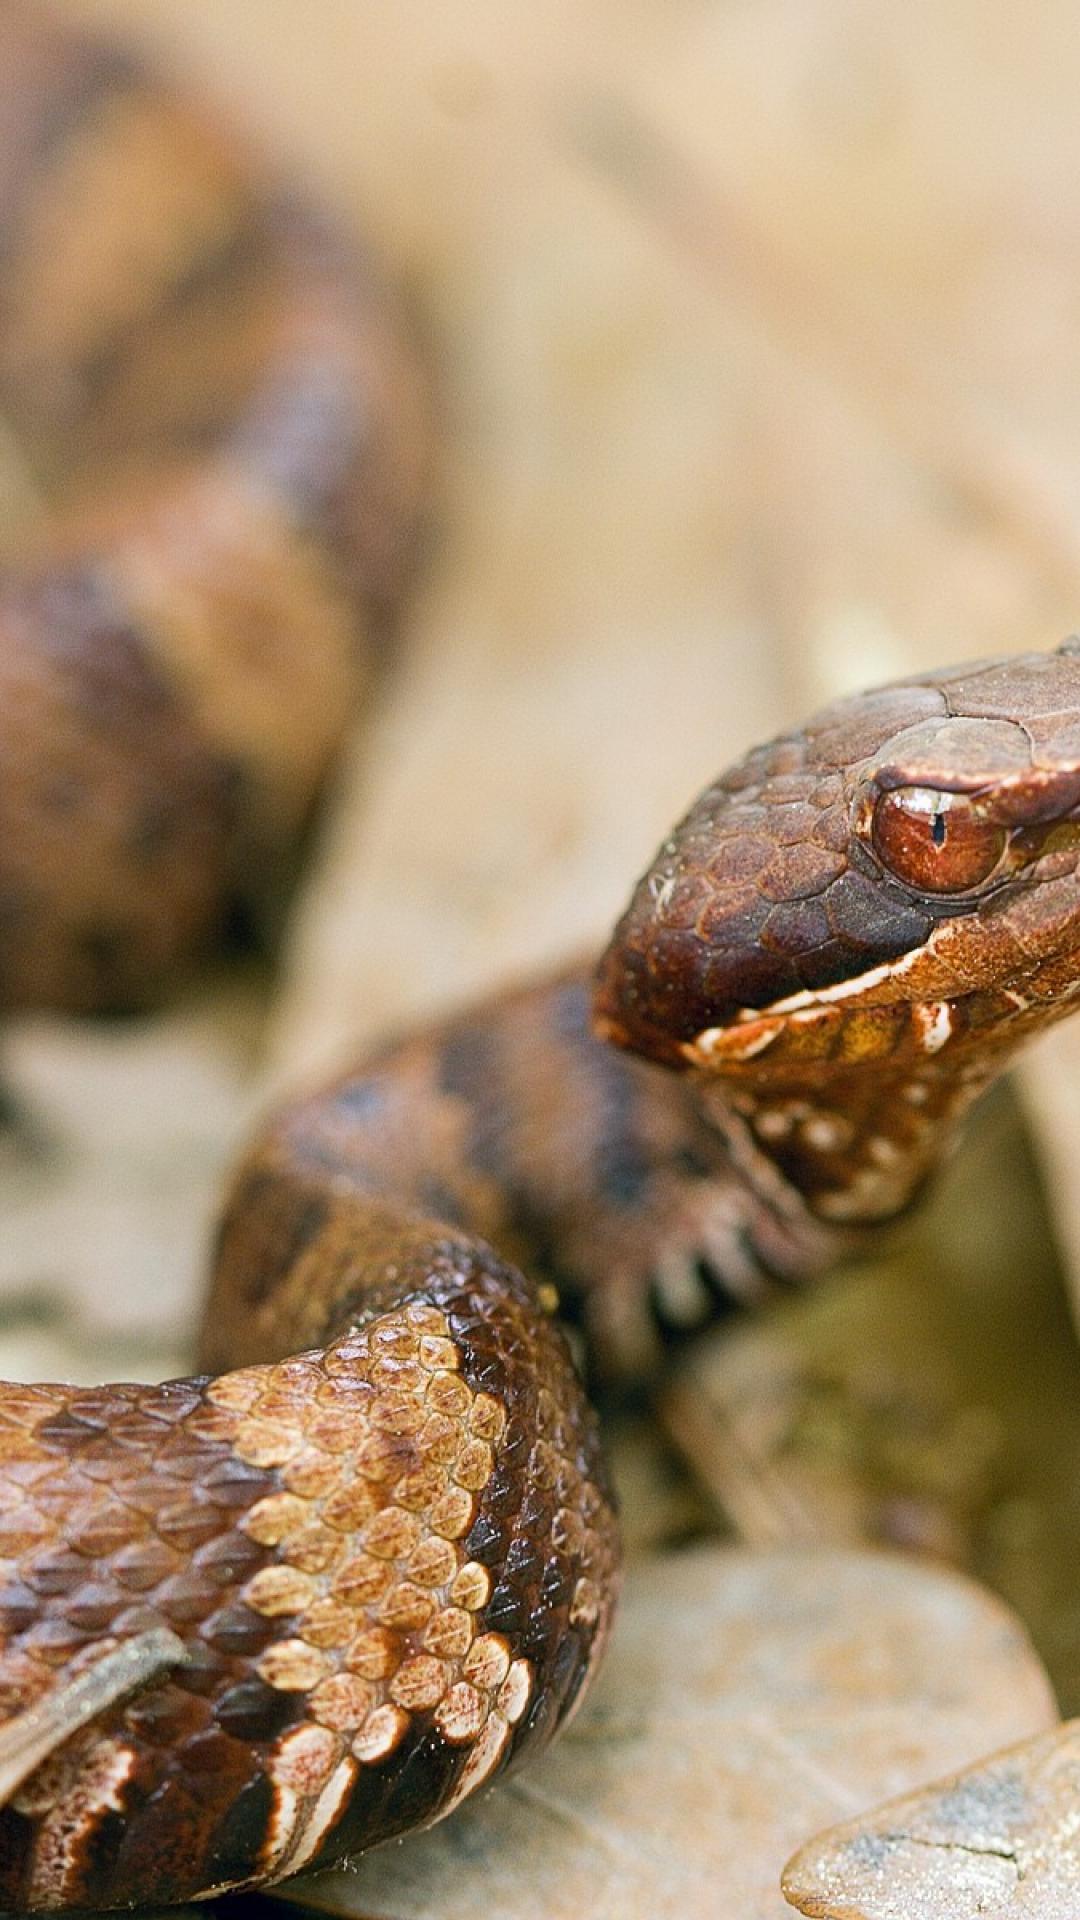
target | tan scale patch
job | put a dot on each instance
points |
(262, 1443)
(487, 1661)
(279, 1590)
(393, 1534)
(384, 1453)
(400, 1382)
(397, 1413)
(449, 1634)
(406, 1607)
(311, 1475)
(474, 1466)
(453, 1514)
(291, 1666)
(440, 1439)
(343, 1702)
(472, 1586)
(349, 1507)
(314, 1549)
(382, 1456)
(362, 1581)
(329, 1623)
(513, 1696)
(437, 1353)
(21, 1532)
(305, 1757)
(375, 1654)
(447, 1393)
(487, 1419)
(382, 1731)
(271, 1521)
(433, 1563)
(399, 1339)
(384, 1450)
(239, 1389)
(462, 1713)
(331, 1429)
(420, 1682)
(422, 1487)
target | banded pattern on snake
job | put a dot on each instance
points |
(372, 1550)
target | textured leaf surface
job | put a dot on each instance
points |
(1000, 1841)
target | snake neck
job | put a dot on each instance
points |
(853, 1145)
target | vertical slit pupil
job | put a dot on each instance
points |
(937, 829)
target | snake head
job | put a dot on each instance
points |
(901, 871)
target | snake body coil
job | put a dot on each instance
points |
(371, 1554)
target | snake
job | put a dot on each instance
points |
(367, 1559)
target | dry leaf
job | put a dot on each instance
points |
(1000, 1841)
(746, 1699)
(929, 1399)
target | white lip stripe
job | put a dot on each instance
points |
(720, 1040)
(806, 1002)
(843, 989)
(934, 1024)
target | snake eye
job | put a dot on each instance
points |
(934, 841)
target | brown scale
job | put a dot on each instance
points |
(275, 1614)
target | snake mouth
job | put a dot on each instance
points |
(815, 1022)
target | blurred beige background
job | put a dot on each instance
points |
(753, 325)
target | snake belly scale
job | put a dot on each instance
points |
(313, 1597)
